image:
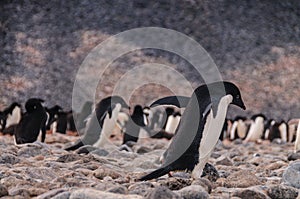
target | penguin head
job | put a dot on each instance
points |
(117, 99)
(233, 90)
(138, 110)
(33, 104)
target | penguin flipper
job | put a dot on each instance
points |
(155, 174)
(75, 146)
(179, 101)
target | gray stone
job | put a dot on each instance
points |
(140, 188)
(19, 192)
(51, 193)
(291, 175)
(118, 189)
(205, 183)
(282, 192)
(93, 194)
(193, 192)
(68, 158)
(162, 192)
(293, 156)
(100, 152)
(63, 195)
(7, 158)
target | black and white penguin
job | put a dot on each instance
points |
(199, 129)
(71, 121)
(11, 118)
(52, 114)
(256, 129)
(60, 124)
(134, 125)
(32, 122)
(95, 122)
(239, 128)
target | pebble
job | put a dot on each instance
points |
(283, 192)
(291, 175)
(162, 192)
(193, 192)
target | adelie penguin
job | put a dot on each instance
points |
(239, 128)
(32, 122)
(257, 127)
(11, 117)
(52, 114)
(199, 129)
(134, 125)
(99, 121)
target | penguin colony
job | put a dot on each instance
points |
(196, 131)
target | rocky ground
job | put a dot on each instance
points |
(40, 170)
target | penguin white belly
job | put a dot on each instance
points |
(292, 131)
(211, 133)
(283, 132)
(297, 142)
(54, 127)
(241, 129)
(172, 124)
(233, 129)
(108, 126)
(13, 118)
(256, 130)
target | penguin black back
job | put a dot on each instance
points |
(32, 122)
(134, 124)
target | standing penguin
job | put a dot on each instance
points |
(96, 121)
(199, 128)
(61, 122)
(134, 124)
(257, 127)
(239, 128)
(52, 114)
(11, 118)
(32, 122)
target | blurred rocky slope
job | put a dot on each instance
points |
(255, 44)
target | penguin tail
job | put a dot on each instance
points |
(155, 174)
(75, 146)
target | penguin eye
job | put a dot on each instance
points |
(238, 97)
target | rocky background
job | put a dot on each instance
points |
(254, 44)
(260, 171)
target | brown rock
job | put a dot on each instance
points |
(283, 192)
(242, 179)
(102, 172)
(224, 161)
(3, 191)
(250, 193)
